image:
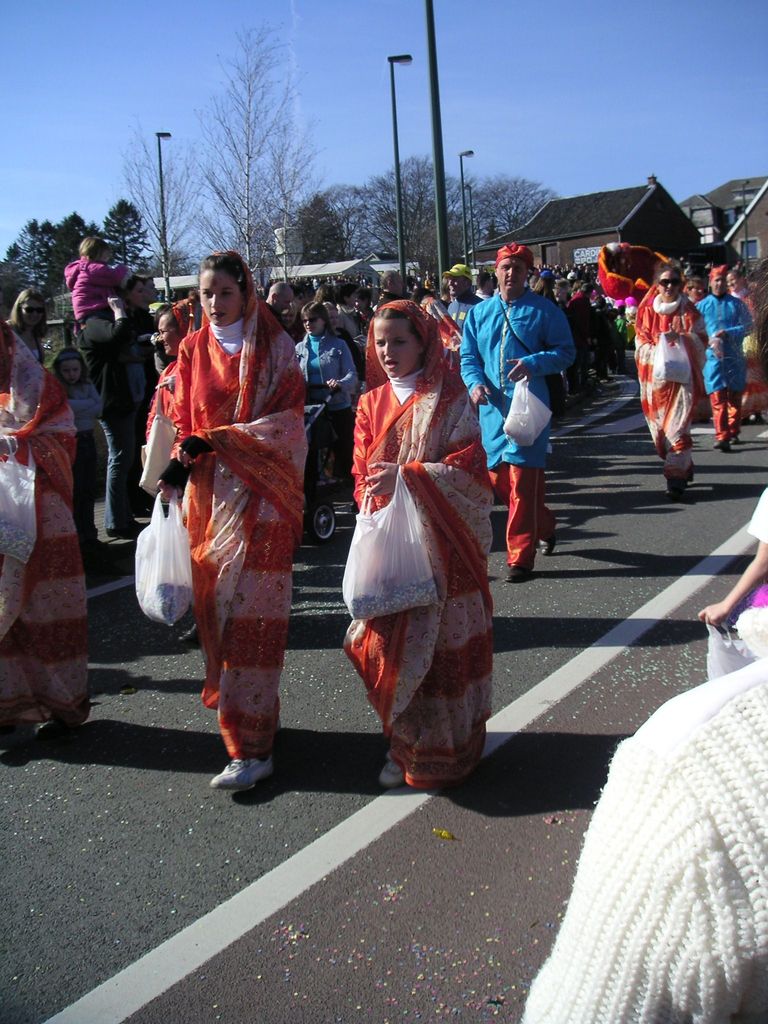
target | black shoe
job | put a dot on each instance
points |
(757, 418)
(675, 490)
(546, 547)
(722, 446)
(190, 637)
(130, 532)
(518, 574)
(54, 730)
(736, 440)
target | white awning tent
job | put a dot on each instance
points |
(182, 282)
(311, 270)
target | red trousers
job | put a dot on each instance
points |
(529, 520)
(726, 413)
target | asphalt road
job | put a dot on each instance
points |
(345, 905)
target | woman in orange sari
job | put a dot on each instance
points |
(667, 405)
(427, 670)
(43, 634)
(239, 413)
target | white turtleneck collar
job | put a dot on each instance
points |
(666, 308)
(404, 387)
(230, 337)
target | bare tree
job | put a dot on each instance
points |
(503, 204)
(181, 193)
(254, 170)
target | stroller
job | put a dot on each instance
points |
(319, 514)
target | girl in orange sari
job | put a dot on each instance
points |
(427, 670)
(43, 634)
(239, 413)
(668, 406)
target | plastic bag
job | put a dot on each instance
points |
(18, 521)
(726, 653)
(164, 566)
(670, 361)
(527, 416)
(752, 626)
(156, 453)
(388, 568)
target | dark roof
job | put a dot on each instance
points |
(727, 195)
(592, 214)
(697, 202)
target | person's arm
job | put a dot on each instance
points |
(472, 371)
(104, 276)
(753, 576)
(348, 381)
(362, 440)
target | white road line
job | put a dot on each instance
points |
(628, 389)
(107, 588)
(159, 969)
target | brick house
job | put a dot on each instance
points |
(573, 230)
(732, 219)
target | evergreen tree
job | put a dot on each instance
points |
(124, 230)
(30, 254)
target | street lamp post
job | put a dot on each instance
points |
(400, 58)
(468, 187)
(465, 152)
(163, 228)
(746, 229)
(441, 206)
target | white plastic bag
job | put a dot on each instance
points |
(725, 653)
(527, 416)
(388, 568)
(156, 453)
(164, 566)
(18, 521)
(670, 361)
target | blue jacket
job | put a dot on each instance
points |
(731, 315)
(543, 343)
(335, 364)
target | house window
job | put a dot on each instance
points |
(730, 217)
(750, 250)
(707, 235)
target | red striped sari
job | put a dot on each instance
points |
(244, 509)
(43, 629)
(428, 670)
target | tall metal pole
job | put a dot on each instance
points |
(163, 227)
(466, 152)
(471, 225)
(401, 58)
(746, 229)
(441, 206)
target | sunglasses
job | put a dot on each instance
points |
(667, 282)
(33, 309)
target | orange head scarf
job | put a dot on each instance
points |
(427, 332)
(515, 251)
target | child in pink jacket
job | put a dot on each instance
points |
(90, 279)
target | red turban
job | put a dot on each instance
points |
(515, 251)
(720, 271)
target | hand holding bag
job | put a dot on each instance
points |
(527, 416)
(671, 364)
(388, 568)
(18, 520)
(164, 566)
(156, 454)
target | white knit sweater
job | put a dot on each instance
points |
(668, 920)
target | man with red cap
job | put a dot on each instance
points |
(728, 320)
(516, 335)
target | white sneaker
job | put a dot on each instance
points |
(243, 774)
(391, 775)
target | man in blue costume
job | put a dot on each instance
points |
(463, 298)
(725, 371)
(517, 335)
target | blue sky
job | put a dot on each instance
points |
(581, 97)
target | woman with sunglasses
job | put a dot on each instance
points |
(28, 320)
(668, 405)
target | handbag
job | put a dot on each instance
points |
(388, 568)
(156, 453)
(671, 364)
(527, 416)
(18, 519)
(164, 566)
